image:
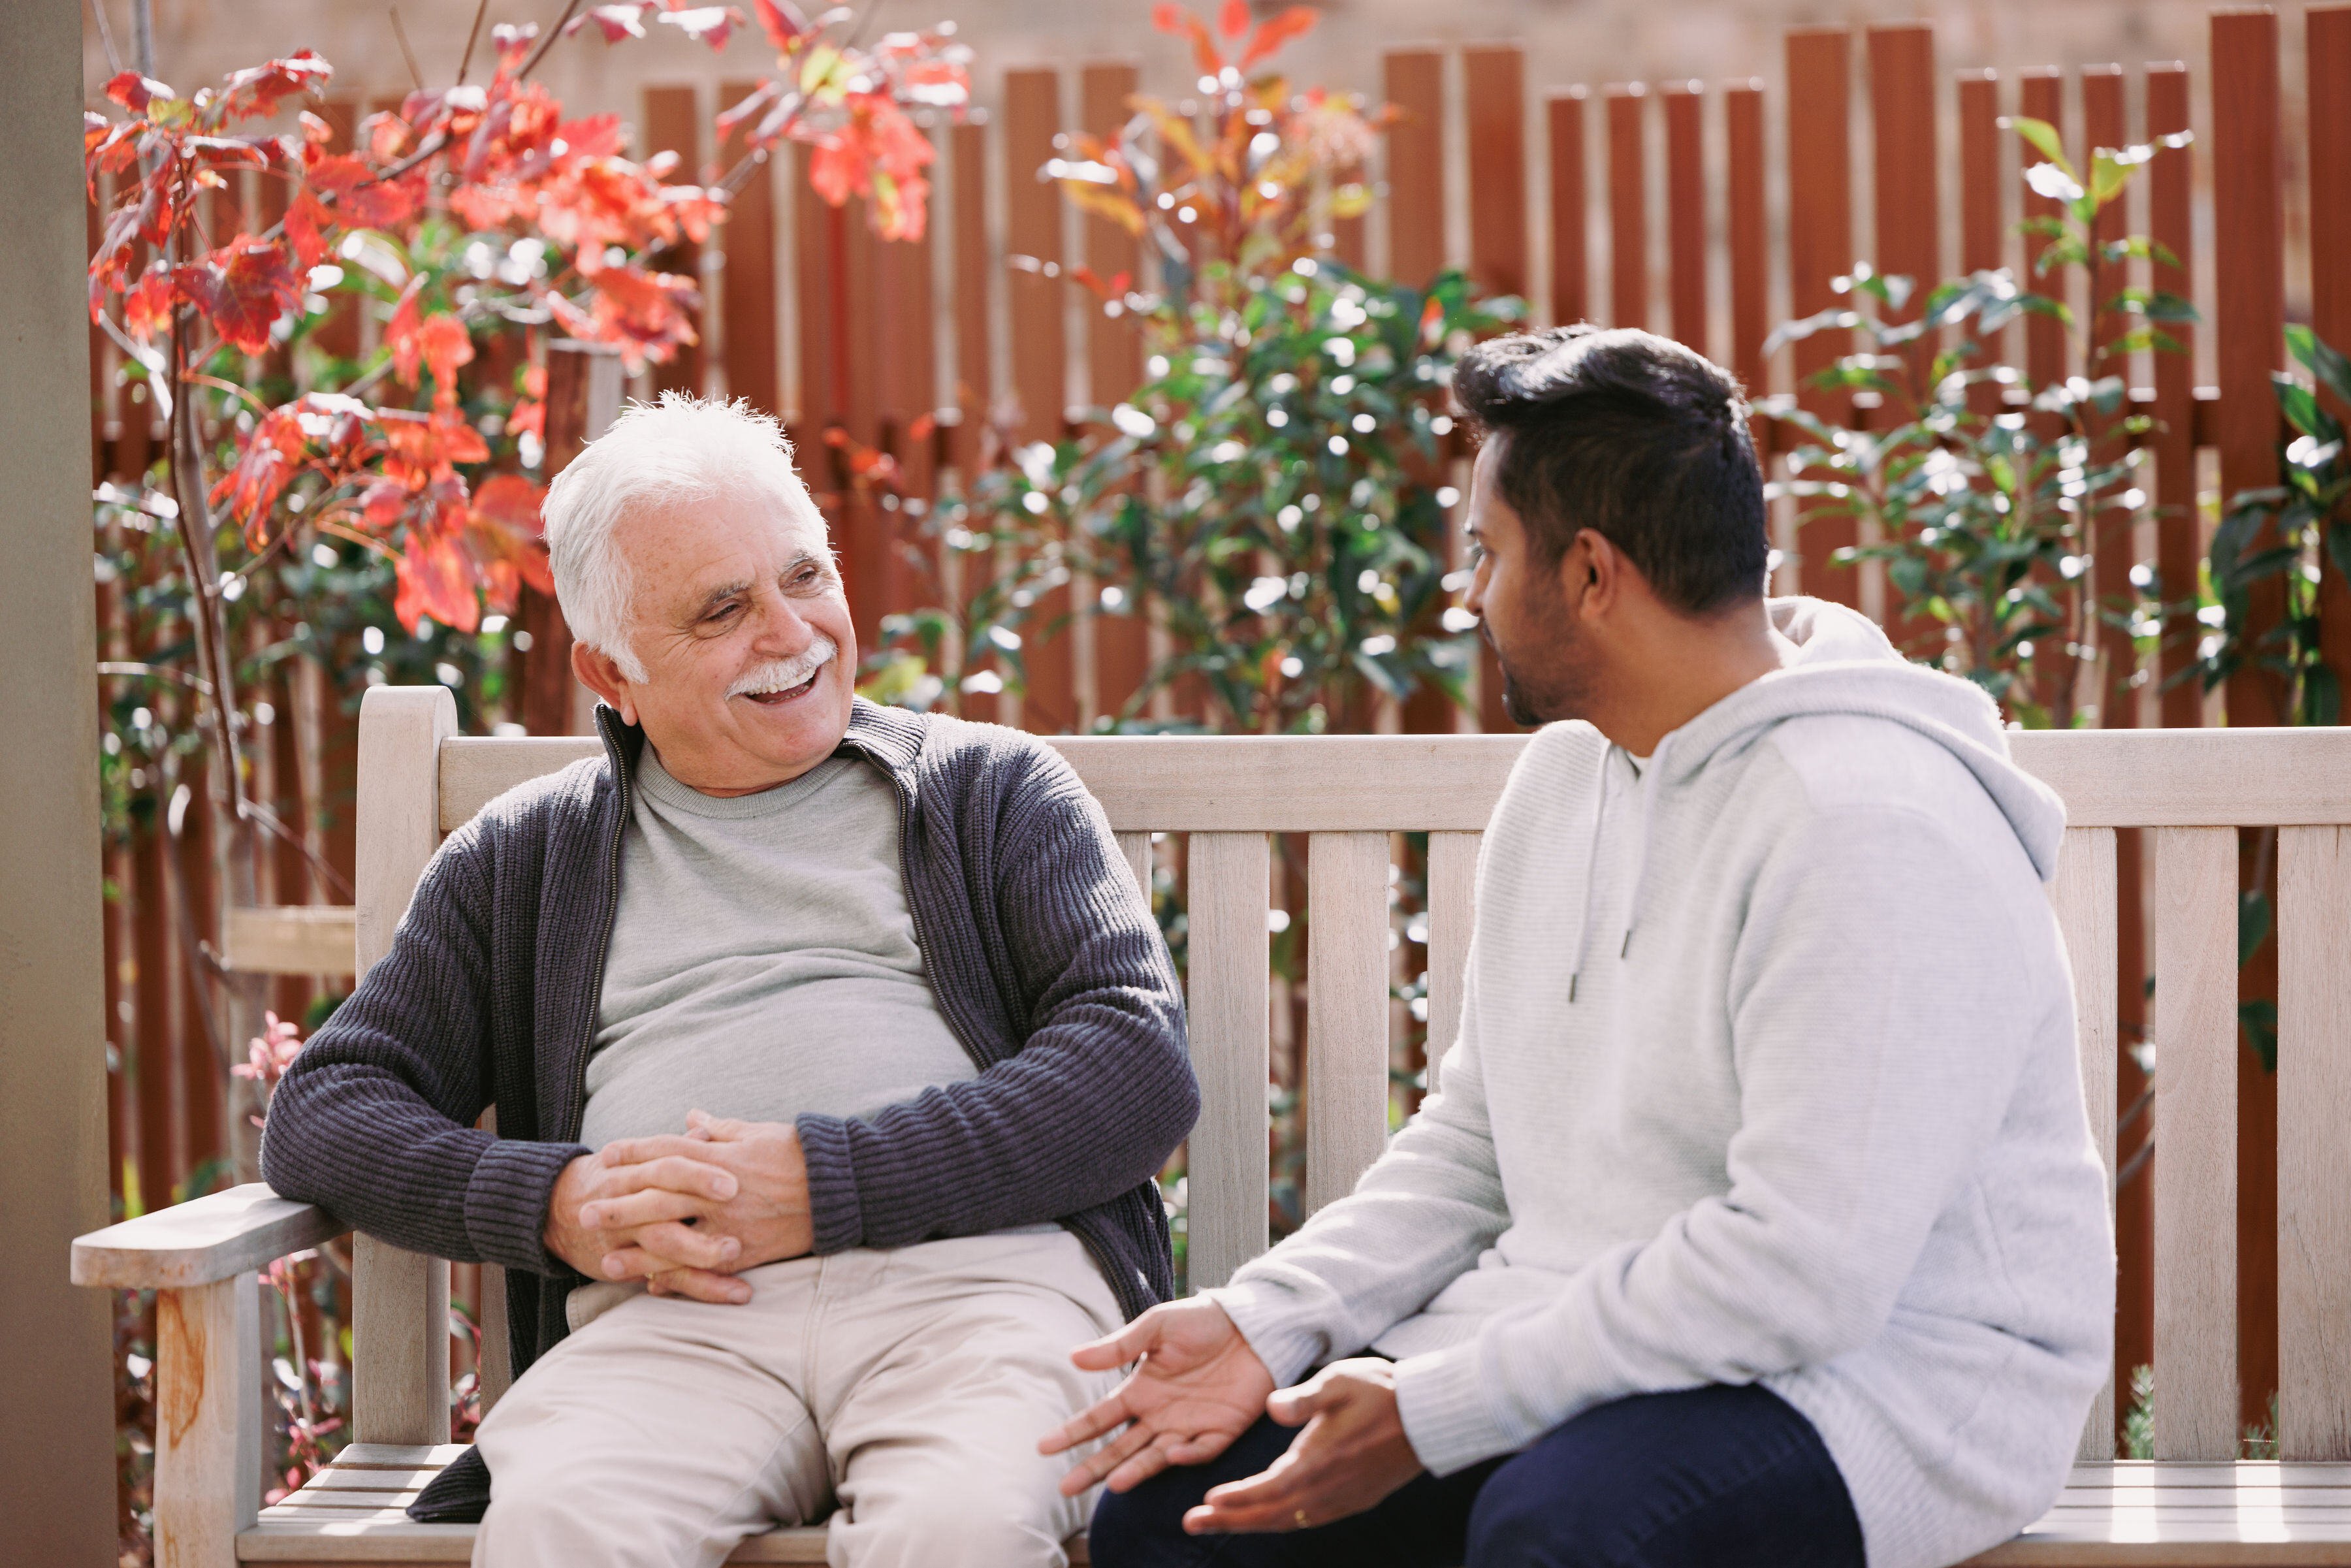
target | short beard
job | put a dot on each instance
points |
(1551, 680)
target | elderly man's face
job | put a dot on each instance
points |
(734, 606)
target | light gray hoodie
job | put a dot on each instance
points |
(1766, 1073)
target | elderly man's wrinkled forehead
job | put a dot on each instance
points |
(752, 512)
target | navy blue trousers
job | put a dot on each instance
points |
(1707, 1477)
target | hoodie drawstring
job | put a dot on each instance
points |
(1641, 862)
(1592, 865)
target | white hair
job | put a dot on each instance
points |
(679, 451)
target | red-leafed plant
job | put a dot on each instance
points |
(344, 340)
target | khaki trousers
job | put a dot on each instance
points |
(903, 1391)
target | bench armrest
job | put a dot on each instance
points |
(202, 1240)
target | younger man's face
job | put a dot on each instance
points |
(1522, 605)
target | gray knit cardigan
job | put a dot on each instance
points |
(1044, 956)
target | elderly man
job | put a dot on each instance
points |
(833, 1048)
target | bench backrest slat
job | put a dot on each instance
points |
(1452, 919)
(2196, 1142)
(1346, 1086)
(399, 1301)
(2314, 1143)
(1215, 799)
(1225, 1159)
(2089, 915)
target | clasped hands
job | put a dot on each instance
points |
(686, 1214)
(1197, 1385)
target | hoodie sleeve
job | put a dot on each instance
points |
(1880, 1010)
(1420, 1216)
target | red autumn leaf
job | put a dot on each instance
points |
(835, 166)
(488, 206)
(435, 580)
(424, 449)
(505, 515)
(147, 309)
(381, 503)
(445, 345)
(712, 24)
(316, 131)
(308, 223)
(697, 209)
(1175, 19)
(387, 136)
(513, 41)
(360, 200)
(598, 136)
(1272, 34)
(508, 501)
(135, 93)
(252, 487)
(616, 22)
(783, 23)
(1235, 20)
(242, 289)
(108, 145)
(261, 90)
(407, 316)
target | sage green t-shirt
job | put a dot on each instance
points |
(763, 961)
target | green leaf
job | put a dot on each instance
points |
(2042, 305)
(2043, 136)
(2300, 406)
(2067, 251)
(2108, 175)
(2326, 365)
(1792, 331)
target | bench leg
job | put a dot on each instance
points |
(207, 1421)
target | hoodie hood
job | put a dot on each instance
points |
(1844, 665)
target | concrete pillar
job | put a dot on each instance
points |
(57, 1416)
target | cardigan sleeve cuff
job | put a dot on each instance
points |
(506, 1202)
(837, 1215)
(1445, 1417)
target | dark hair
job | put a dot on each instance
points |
(1636, 436)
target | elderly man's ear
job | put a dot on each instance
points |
(600, 673)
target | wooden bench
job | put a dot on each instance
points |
(2192, 789)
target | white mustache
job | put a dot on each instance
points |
(783, 675)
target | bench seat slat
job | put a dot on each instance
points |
(327, 1536)
(2114, 1512)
